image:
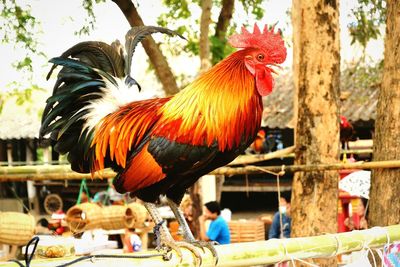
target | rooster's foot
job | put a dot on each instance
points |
(168, 245)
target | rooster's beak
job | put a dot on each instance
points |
(272, 66)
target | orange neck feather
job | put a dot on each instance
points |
(221, 105)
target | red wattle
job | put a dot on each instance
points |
(264, 81)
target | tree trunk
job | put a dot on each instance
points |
(316, 68)
(197, 208)
(221, 27)
(205, 20)
(157, 59)
(224, 18)
(385, 184)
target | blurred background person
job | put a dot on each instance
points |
(358, 224)
(275, 230)
(218, 230)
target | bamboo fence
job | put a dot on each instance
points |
(64, 172)
(254, 253)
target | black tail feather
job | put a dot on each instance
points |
(78, 84)
(97, 55)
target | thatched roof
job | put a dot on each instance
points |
(22, 121)
(357, 103)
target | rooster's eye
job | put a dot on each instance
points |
(260, 57)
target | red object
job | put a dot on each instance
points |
(261, 133)
(346, 131)
(55, 222)
(60, 230)
(344, 205)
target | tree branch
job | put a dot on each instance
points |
(205, 20)
(224, 18)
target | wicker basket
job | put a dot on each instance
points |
(117, 217)
(140, 215)
(84, 216)
(246, 231)
(16, 228)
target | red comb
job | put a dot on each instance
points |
(267, 40)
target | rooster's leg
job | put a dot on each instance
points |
(163, 237)
(187, 234)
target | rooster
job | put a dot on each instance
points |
(346, 132)
(159, 147)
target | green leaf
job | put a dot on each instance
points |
(19, 27)
(253, 7)
(369, 15)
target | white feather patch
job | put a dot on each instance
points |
(113, 97)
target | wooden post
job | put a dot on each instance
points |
(208, 188)
(32, 195)
(316, 65)
(385, 189)
(9, 154)
(47, 158)
(197, 207)
(219, 180)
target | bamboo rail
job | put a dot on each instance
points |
(286, 153)
(250, 159)
(308, 168)
(63, 172)
(255, 253)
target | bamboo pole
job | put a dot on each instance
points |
(53, 174)
(63, 172)
(256, 253)
(250, 159)
(283, 153)
(308, 168)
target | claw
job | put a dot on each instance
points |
(167, 255)
(167, 246)
(197, 256)
(210, 246)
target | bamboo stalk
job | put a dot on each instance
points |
(54, 175)
(256, 253)
(285, 153)
(63, 172)
(250, 159)
(308, 168)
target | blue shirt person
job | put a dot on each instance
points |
(275, 230)
(218, 230)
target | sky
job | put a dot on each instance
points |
(59, 20)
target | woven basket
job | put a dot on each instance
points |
(246, 231)
(84, 216)
(140, 215)
(16, 228)
(117, 217)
